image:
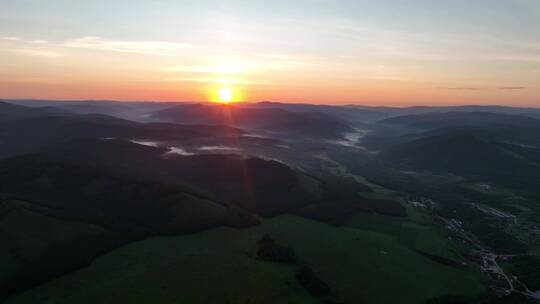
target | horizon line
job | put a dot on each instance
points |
(360, 104)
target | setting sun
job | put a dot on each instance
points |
(225, 95)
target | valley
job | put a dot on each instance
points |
(144, 210)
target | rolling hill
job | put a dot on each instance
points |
(61, 209)
(462, 152)
(33, 134)
(460, 119)
(288, 123)
(503, 128)
(10, 112)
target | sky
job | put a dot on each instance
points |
(400, 52)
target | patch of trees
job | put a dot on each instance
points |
(269, 250)
(490, 231)
(386, 207)
(337, 212)
(342, 197)
(311, 282)
(498, 240)
(514, 298)
(452, 299)
(442, 260)
(260, 186)
(127, 209)
(527, 269)
(110, 200)
(60, 259)
(331, 213)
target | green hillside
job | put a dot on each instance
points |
(359, 265)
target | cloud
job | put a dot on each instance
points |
(40, 53)
(217, 69)
(21, 40)
(486, 88)
(11, 38)
(512, 88)
(145, 47)
(418, 45)
(466, 89)
(39, 41)
(292, 60)
(126, 46)
(214, 80)
(38, 48)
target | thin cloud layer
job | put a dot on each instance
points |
(486, 89)
(137, 47)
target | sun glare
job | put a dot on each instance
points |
(225, 95)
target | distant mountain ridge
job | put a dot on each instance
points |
(509, 128)
(29, 134)
(414, 110)
(311, 124)
(460, 119)
(351, 112)
(10, 111)
(468, 154)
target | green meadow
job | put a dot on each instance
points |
(373, 259)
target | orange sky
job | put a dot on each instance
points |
(311, 51)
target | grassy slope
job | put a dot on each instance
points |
(26, 235)
(216, 266)
(414, 235)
